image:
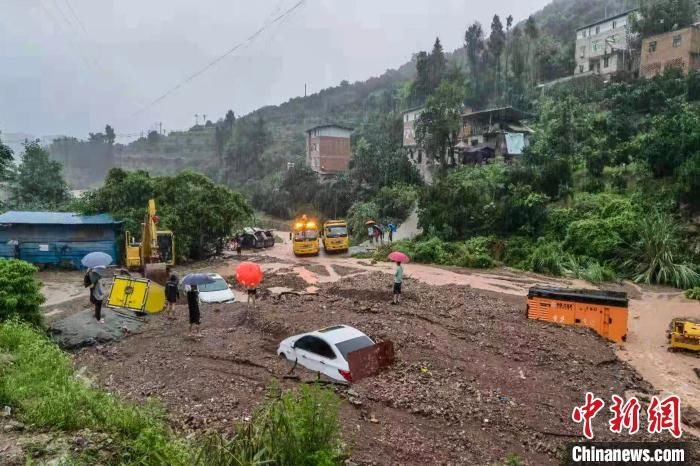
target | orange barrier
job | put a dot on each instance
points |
(603, 311)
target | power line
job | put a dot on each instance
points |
(77, 19)
(220, 58)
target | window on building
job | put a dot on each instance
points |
(597, 29)
(591, 66)
(583, 33)
(580, 68)
(606, 62)
(652, 46)
(614, 24)
(677, 41)
(595, 46)
(583, 51)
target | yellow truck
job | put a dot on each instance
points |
(136, 294)
(335, 236)
(305, 237)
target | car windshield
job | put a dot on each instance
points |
(218, 285)
(336, 231)
(354, 344)
(305, 235)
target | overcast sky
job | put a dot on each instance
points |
(71, 66)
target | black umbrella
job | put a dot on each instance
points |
(197, 279)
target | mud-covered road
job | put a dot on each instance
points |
(474, 381)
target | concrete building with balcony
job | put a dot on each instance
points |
(493, 134)
(603, 47)
(676, 49)
(328, 150)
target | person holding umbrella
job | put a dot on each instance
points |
(249, 275)
(96, 263)
(191, 282)
(399, 258)
(193, 307)
(97, 294)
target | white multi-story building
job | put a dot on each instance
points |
(603, 47)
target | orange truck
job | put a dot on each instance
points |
(603, 311)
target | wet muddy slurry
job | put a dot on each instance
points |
(474, 380)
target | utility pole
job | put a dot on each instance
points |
(160, 127)
(204, 119)
(196, 119)
(304, 89)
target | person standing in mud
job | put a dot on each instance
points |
(97, 295)
(193, 307)
(398, 279)
(172, 293)
(252, 294)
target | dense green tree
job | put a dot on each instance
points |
(110, 136)
(659, 16)
(38, 182)
(671, 139)
(6, 161)
(244, 150)
(230, 119)
(475, 46)
(497, 42)
(441, 121)
(153, 137)
(438, 65)
(199, 212)
(532, 32)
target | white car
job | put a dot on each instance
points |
(217, 292)
(326, 350)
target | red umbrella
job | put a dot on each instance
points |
(398, 256)
(249, 274)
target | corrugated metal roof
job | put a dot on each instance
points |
(55, 218)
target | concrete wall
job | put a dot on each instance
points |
(659, 52)
(409, 127)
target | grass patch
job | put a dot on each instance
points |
(39, 383)
(298, 428)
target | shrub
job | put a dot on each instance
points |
(548, 257)
(20, 292)
(653, 258)
(693, 293)
(41, 386)
(594, 237)
(433, 250)
(294, 428)
(518, 251)
(396, 202)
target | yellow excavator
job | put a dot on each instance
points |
(156, 251)
(684, 333)
(152, 256)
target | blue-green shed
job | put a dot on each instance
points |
(56, 238)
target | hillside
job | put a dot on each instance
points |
(348, 103)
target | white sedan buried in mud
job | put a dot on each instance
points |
(326, 350)
(217, 292)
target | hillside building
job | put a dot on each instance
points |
(328, 150)
(603, 47)
(496, 133)
(676, 49)
(415, 153)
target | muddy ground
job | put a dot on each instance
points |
(474, 381)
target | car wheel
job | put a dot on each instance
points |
(283, 356)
